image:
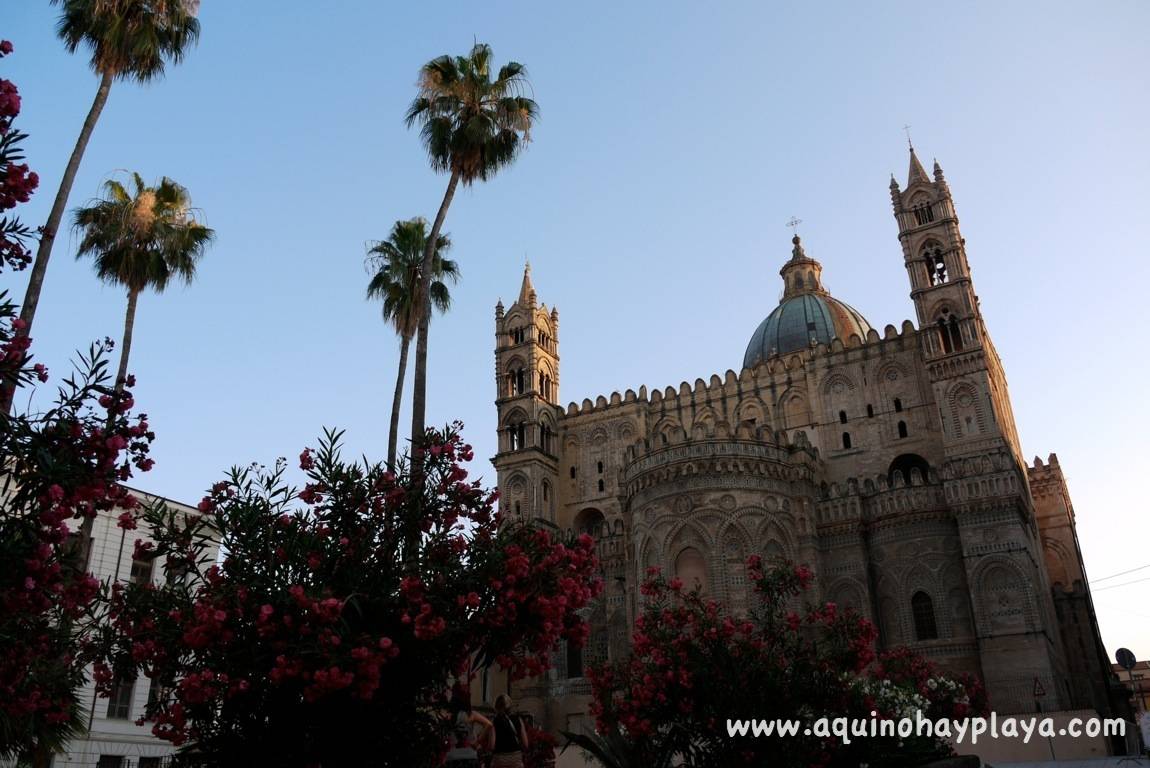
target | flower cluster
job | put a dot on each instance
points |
(62, 466)
(352, 600)
(694, 665)
(17, 180)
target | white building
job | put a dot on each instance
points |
(114, 740)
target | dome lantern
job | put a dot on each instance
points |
(807, 314)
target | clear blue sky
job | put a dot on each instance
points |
(675, 141)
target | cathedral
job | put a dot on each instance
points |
(886, 460)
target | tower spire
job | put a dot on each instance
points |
(917, 172)
(527, 288)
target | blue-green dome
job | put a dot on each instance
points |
(800, 319)
(806, 314)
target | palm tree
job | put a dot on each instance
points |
(395, 263)
(129, 40)
(140, 241)
(471, 126)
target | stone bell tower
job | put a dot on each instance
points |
(984, 476)
(526, 397)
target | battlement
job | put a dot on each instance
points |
(765, 371)
(1039, 469)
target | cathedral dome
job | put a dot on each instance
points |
(807, 313)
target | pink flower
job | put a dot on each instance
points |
(5, 47)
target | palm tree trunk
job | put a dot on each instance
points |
(121, 380)
(419, 391)
(419, 394)
(126, 345)
(393, 436)
(48, 235)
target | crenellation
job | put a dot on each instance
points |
(887, 461)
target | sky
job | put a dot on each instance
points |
(675, 141)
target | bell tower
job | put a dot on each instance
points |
(955, 340)
(526, 398)
(984, 476)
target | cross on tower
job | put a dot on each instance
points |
(906, 128)
(794, 224)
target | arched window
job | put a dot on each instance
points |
(846, 440)
(922, 607)
(842, 417)
(572, 471)
(897, 405)
(903, 464)
(949, 332)
(870, 411)
(923, 213)
(545, 436)
(546, 491)
(590, 521)
(517, 379)
(600, 486)
(944, 335)
(600, 467)
(691, 568)
(902, 429)
(517, 436)
(935, 263)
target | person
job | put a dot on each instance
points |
(510, 736)
(461, 752)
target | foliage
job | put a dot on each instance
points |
(17, 181)
(395, 263)
(143, 239)
(472, 125)
(61, 465)
(319, 640)
(693, 667)
(540, 752)
(129, 38)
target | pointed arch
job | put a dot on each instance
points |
(691, 568)
(1005, 597)
(795, 410)
(751, 410)
(847, 592)
(967, 410)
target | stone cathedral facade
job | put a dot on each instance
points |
(888, 461)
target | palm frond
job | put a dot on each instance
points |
(144, 240)
(129, 38)
(469, 123)
(394, 265)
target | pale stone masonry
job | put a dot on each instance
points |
(113, 739)
(889, 462)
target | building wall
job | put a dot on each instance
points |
(115, 733)
(890, 464)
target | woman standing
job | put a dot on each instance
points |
(461, 751)
(510, 736)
